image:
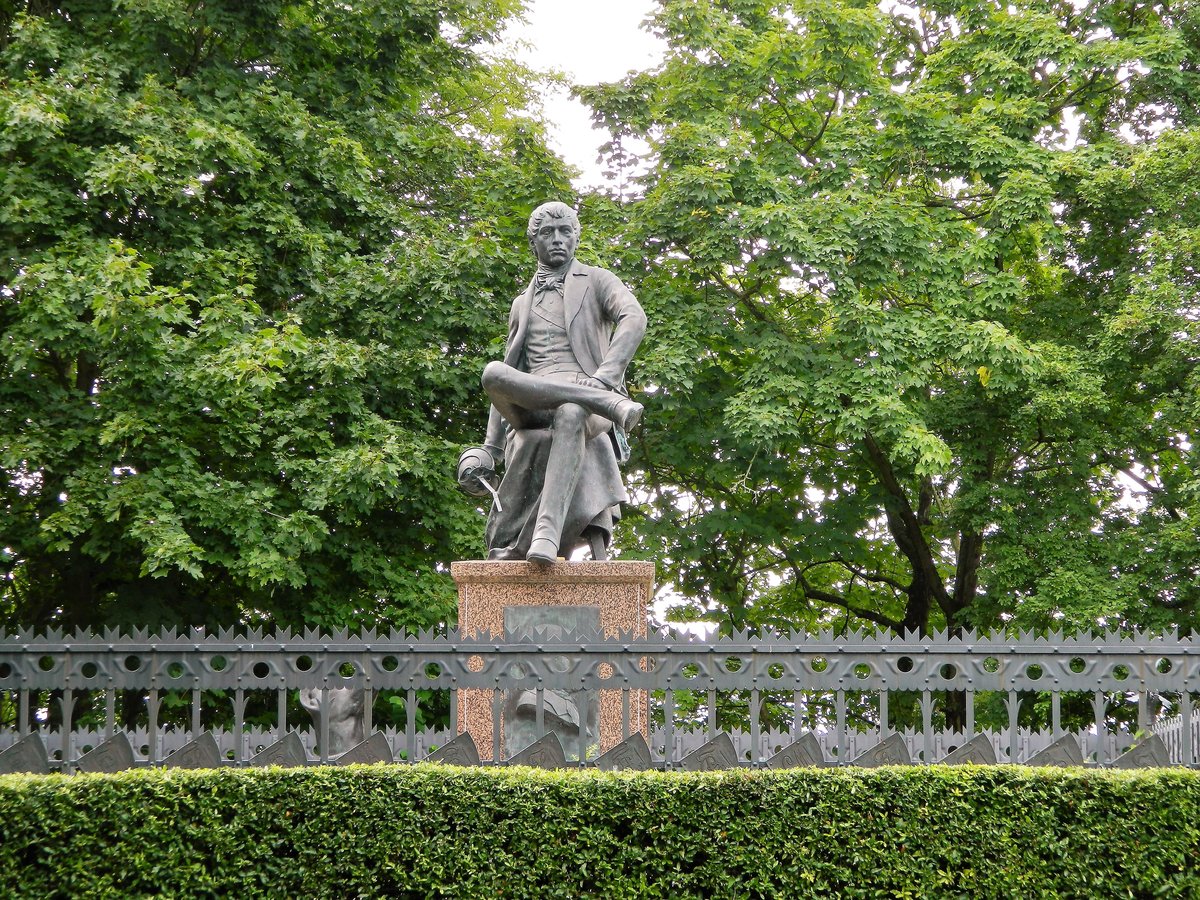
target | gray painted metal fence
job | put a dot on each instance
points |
(827, 685)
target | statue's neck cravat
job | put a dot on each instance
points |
(550, 279)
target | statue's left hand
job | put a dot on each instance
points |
(593, 382)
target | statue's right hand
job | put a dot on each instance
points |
(477, 472)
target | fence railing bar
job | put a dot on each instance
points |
(410, 725)
(754, 726)
(1014, 710)
(325, 723)
(1098, 712)
(281, 709)
(581, 703)
(624, 713)
(239, 722)
(152, 707)
(927, 726)
(840, 710)
(497, 700)
(66, 705)
(668, 726)
(1185, 732)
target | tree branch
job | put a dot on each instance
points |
(838, 600)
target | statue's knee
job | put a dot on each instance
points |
(493, 373)
(570, 416)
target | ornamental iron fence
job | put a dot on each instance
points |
(859, 698)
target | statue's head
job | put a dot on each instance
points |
(553, 233)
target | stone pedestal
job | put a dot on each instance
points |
(499, 596)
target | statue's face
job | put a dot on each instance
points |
(555, 241)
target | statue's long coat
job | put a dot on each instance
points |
(605, 325)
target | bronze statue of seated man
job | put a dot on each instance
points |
(560, 412)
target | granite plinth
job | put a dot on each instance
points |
(490, 591)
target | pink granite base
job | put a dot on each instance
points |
(621, 590)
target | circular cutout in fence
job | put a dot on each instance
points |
(775, 670)
(819, 664)
(389, 664)
(733, 664)
(1163, 666)
(175, 670)
(304, 663)
(948, 671)
(1120, 672)
(347, 669)
(432, 671)
(862, 670)
(5, 670)
(46, 663)
(904, 664)
(261, 670)
(89, 670)
(1033, 671)
(229, 754)
(991, 664)
(691, 670)
(144, 750)
(217, 663)
(1077, 664)
(133, 663)
(605, 671)
(475, 664)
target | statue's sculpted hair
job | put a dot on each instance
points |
(555, 210)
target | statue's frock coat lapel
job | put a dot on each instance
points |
(576, 288)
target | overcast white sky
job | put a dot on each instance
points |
(591, 41)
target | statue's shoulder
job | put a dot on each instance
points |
(517, 299)
(602, 276)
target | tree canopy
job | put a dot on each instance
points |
(922, 281)
(922, 284)
(251, 259)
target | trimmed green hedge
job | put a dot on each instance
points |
(444, 832)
